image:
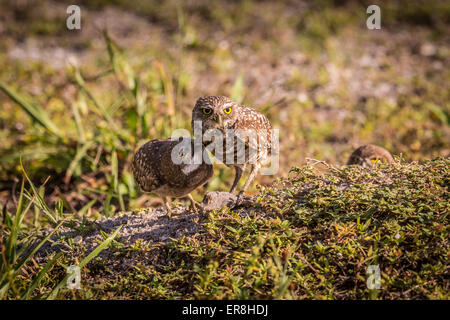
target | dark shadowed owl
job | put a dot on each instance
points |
(367, 153)
(169, 169)
(246, 134)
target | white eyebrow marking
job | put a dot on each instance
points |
(229, 104)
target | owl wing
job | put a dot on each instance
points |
(145, 165)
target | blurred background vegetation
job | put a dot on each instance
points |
(75, 104)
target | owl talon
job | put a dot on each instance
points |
(195, 206)
(166, 202)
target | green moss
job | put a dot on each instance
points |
(312, 236)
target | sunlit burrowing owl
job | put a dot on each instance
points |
(155, 170)
(251, 144)
(367, 153)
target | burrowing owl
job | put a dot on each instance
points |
(367, 153)
(155, 170)
(251, 144)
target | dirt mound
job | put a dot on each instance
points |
(152, 227)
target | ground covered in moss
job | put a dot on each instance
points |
(311, 235)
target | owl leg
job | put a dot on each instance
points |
(237, 177)
(253, 172)
(166, 202)
(194, 204)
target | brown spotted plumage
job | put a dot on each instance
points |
(155, 171)
(251, 145)
(367, 153)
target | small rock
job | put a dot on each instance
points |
(78, 240)
(218, 199)
(428, 50)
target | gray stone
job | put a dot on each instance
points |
(218, 199)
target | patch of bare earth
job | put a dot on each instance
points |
(150, 230)
(153, 228)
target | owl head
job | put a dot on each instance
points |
(215, 112)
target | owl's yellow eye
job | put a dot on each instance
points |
(206, 111)
(227, 110)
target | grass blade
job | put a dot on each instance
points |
(168, 88)
(237, 92)
(85, 209)
(41, 274)
(25, 259)
(115, 170)
(85, 261)
(76, 160)
(81, 84)
(34, 111)
(79, 123)
(38, 200)
(12, 239)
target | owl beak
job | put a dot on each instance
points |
(218, 119)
